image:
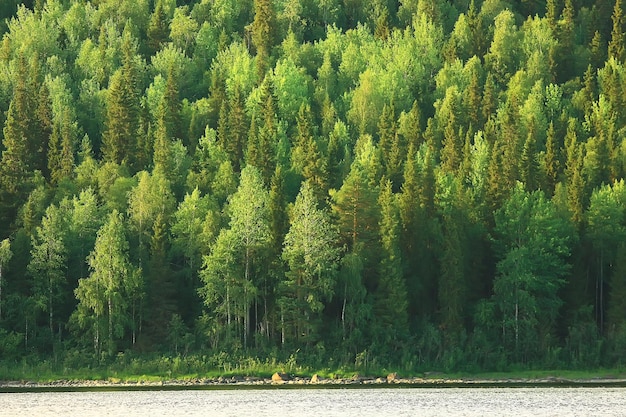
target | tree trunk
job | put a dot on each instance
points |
(343, 310)
(50, 313)
(110, 347)
(0, 291)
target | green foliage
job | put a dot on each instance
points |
(429, 184)
(533, 246)
(311, 253)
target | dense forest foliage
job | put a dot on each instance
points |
(423, 183)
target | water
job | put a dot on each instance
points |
(323, 402)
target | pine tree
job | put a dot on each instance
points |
(162, 289)
(5, 256)
(616, 311)
(158, 28)
(306, 158)
(167, 128)
(598, 51)
(496, 189)
(452, 288)
(552, 14)
(616, 45)
(573, 172)
(489, 102)
(263, 34)
(412, 127)
(473, 99)
(237, 130)
(451, 153)
(18, 141)
(528, 163)
(391, 304)
(61, 148)
(381, 29)
(262, 140)
(551, 161)
(122, 108)
(42, 130)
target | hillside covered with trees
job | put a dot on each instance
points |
(423, 183)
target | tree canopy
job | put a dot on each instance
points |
(426, 184)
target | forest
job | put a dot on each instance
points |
(425, 184)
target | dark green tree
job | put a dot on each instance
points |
(263, 34)
(616, 44)
(158, 28)
(533, 244)
(119, 139)
(306, 158)
(390, 312)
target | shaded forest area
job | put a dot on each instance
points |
(423, 183)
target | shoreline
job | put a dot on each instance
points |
(283, 381)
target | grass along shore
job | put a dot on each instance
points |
(81, 380)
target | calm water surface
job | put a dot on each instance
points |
(323, 402)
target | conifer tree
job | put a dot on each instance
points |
(306, 158)
(452, 288)
(263, 34)
(574, 174)
(391, 304)
(5, 256)
(122, 108)
(17, 156)
(61, 148)
(392, 146)
(551, 161)
(528, 163)
(489, 103)
(452, 146)
(616, 311)
(42, 130)
(616, 44)
(158, 28)
(236, 130)
(473, 98)
(262, 140)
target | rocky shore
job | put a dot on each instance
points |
(285, 380)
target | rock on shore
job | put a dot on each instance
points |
(292, 380)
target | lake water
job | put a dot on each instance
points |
(322, 402)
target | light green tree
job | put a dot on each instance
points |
(229, 276)
(311, 252)
(105, 296)
(48, 264)
(606, 230)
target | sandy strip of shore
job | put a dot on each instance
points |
(293, 381)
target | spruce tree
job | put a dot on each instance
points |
(263, 34)
(551, 161)
(158, 28)
(306, 158)
(391, 297)
(122, 108)
(616, 44)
